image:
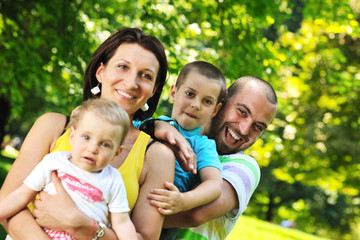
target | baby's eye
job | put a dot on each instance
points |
(208, 102)
(86, 137)
(105, 144)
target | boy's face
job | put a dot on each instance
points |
(195, 101)
(95, 142)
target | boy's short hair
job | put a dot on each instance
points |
(106, 109)
(206, 69)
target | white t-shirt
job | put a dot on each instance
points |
(96, 194)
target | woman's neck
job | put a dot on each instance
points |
(128, 143)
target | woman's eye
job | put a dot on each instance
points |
(122, 66)
(147, 76)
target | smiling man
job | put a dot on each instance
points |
(247, 110)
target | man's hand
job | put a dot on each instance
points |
(178, 144)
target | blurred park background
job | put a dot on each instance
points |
(309, 50)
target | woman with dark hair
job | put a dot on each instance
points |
(130, 68)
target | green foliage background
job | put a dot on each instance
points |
(308, 50)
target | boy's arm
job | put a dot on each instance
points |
(171, 201)
(16, 201)
(207, 191)
(123, 226)
(197, 216)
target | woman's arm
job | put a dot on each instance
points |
(39, 142)
(159, 167)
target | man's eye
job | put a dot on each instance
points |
(242, 112)
(259, 128)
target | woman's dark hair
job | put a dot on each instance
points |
(107, 50)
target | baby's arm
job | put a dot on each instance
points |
(122, 225)
(172, 201)
(16, 201)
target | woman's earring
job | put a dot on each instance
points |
(145, 107)
(95, 90)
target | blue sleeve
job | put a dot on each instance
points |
(206, 154)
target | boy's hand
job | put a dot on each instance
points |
(167, 201)
(180, 146)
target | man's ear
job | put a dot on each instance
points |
(72, 135)
(172, 93)
(99, 72)
(216, 110)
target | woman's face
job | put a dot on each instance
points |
(129, 77)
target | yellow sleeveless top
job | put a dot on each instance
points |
(131, 168)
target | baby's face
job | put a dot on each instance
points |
(195, 101)
(95, 142)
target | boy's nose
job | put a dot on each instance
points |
(195, 104)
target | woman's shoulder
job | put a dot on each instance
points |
(159, 152)
(51, 124)
(52, 117)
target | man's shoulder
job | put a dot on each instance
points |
(236, 157)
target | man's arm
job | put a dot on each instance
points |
(227, 201)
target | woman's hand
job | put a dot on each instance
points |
(56, 212)
(178, 144)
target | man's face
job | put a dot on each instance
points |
(241, 121)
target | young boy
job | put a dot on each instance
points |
(196, 95)
(98, 128)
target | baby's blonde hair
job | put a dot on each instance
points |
(106, 109)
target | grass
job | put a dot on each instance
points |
(247, 228)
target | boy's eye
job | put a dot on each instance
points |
(190, 94)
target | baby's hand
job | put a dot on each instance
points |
(168, 201)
